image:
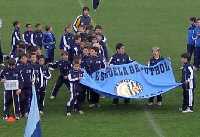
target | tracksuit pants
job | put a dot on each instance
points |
(10, 97)
(49, 55)
(41, 97)
(58, 85)
(27, 99)
(190, 50)
(93, 97)
(74, 103)
(197, 57)
(188, 98)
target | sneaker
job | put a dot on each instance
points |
(26, 115)
(188, 110)
(81, 112)
(91, 105)
(41, 113)
(68, 114)
(97, 105)
(17, 117)
(159, 103)
(52, 97)
(150, 103)
(5, 118)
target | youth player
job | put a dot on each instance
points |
(16, 36)
(37, 36)
(26, 36)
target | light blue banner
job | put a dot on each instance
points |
(132, 80)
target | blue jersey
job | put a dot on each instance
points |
(12, 74)
(188, 75)
(75, 50)
(27, 37)
(190, 35)
(63, 65)
(16, 37)
(36, 38)
(197, 36)
(67, 41)
(48, 40)
(119, 59)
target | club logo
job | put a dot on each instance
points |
(128, 88)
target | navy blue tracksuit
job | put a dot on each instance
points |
(27, 38)
(64, 67)
(10, 95)
(188, 87)
(197, 47)
(75, 88)
(67, 41)
(119, 59)
(191, 40)
(45, 75)
(49, 44)
(36, 38)
(153, 62)
(75, 50)
(16, 38)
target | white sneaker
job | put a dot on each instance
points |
(52, 97)
(150, 103)
(17, 117)
(188, 110)
(68, 114)
(5, 118)
(81, 112)
(159, 103)
(41, 113)
(91, 105)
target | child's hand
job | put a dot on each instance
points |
(18, 92)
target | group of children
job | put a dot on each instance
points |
(84, 48)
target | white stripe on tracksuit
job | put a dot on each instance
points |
(71, 95)
(190, 80)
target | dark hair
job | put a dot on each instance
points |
(27, 25)
(33, 54)
(23, 55)
(185, 56)
(11, 62)
(47, 27)
(119, 45)
(15, 23)
(38, 24)
(98, 27)
(76, 37)
(95, 49)
(193, 19)
(86, 8)
(64, 53)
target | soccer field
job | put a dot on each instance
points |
(140, 24)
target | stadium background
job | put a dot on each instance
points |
(140, 24)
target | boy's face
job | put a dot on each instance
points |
(85, 12)
(18, 25)
(78, 41)
(94, 40)
(76, 66)
(29, 28)
(39, 28)
(24, 59)
(33, 58)
(198, 23)
(41, 61)
(99, 38)
(65, 57)
(93, 52)
(11, 66)
(156, 53)
(81, 29)
(98, 31)
(121, 50)
(85, 51)
(39, 51)
(184, 60)
(68, 29)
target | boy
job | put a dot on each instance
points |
(119, 58)
(83, 19)
(190, 39)
(11, 73)
(36, 37)
(67, 39)
(188, 84)
(75, 74)
(16, 36)
(26, 36)
(197, 45)
(46, 75)
(49, 42)
(156, 58)
(64, 66)
(75, 50)
(95, 63)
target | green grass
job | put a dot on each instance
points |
(140, 24)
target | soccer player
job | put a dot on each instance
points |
(197, 45)
(46, 75)
(16, 36)
(156, 58)
(49, 42)
(190, 38)
(119, 58)
(64, 66)
(26, 36)
(188, 84)
(75, 50)
(11, 73)
(67, 39)
(74, 76)
(83, 19)
(37, 36)
(96, 63)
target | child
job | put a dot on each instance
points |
(156, 58)
(11, 73)
(64, 66)
(75, 50)
(43, 83)
(188, 84)
(75, 74)
(16, 36)
(197, 45)
(49, 42)
(120, 57)
(26, 36)
(36, 38)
